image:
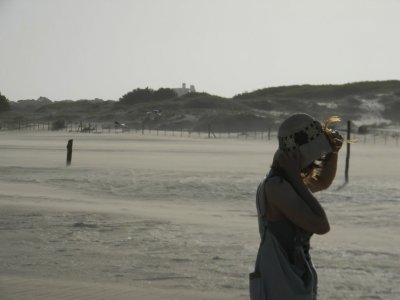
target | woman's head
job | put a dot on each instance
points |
(303, 133)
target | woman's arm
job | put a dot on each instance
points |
(298, 204)
(294, 199)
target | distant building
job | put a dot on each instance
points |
(184, 90)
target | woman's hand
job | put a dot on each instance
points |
(335, 139)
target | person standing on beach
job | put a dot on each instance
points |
(288, 212)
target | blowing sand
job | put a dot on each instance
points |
(147, 217)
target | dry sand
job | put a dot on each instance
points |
(147, 217)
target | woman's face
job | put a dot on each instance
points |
(318, 163)
(307, 170)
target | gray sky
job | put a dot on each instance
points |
(83, 49)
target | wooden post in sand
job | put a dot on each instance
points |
(346, 172)
(210, 131)
(69, 152)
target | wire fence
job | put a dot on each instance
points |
(375, 136)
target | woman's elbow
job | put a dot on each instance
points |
(322, 228)
(325, 184)
(318, 185)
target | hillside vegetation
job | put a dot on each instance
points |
(365, 103)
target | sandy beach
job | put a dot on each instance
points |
(163, 217)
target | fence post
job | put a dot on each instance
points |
(69, 152)
(210, 131)
(346, 172)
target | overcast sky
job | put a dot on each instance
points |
(85, 49)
